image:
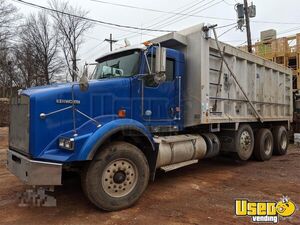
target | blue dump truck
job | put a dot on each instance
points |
(164, 104)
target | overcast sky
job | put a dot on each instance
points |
(274, 12)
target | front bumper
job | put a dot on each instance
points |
(33, 172)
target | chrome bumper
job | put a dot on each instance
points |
(33, 172)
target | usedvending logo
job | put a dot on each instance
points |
(262, 212)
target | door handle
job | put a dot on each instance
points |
(171, 111)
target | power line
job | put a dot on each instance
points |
(147, 9)
(187, 14)
(185, 8)
(227, 3)
(85, 18)
(99, 52)
(135, 35)
(94, 47)
(90, 37)
(107, 26)
(182, 9)
(93, 52)
(228, 25)
(227, 31)
(275, 22)
(189, 9)
(192, 15)
(160, 11)
(289, 30)
(184, 17)
(88, 19)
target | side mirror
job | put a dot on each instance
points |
(160, 65)
(84, 82)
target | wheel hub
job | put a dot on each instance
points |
(245, 141)
(283, 141)
(119, 178)
(268, 146)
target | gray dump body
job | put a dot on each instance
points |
(211, 94)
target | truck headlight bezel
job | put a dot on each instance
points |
(66, 143)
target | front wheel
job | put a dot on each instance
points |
(116, 177)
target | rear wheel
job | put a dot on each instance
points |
(244, 142)
(263, 148)
(281, 140)
(116, 177)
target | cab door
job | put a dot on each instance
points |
(159, 105)
(159, 101)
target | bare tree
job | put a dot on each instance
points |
(40, 49)
(26, 69)
(9, 78)
(8, 17)
(71, 30)
(5, 80)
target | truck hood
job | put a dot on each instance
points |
(103, 98)
(58, 87)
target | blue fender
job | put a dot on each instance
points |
(105, 131)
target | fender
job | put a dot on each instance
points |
(99, 136)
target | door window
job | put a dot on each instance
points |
(170, 69)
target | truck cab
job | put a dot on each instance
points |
(55, 126)
(156, 105)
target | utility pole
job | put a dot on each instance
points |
(111, 41)
(248, 26)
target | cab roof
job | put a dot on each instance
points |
(133, 47)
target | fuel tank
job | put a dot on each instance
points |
(180, 148)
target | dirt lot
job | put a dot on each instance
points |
(199, 194)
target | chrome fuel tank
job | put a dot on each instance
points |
(180, 148)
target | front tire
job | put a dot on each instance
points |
(117, 176)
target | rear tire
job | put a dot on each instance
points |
(263, 148)
(281, 140)
(116, 177)
(244, 142)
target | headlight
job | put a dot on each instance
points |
(61, 142)
(66, 143)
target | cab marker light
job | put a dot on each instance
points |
(122, 113)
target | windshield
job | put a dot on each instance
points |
(124, 64)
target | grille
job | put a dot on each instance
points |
(19, 124)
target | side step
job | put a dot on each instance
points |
(179, 165)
